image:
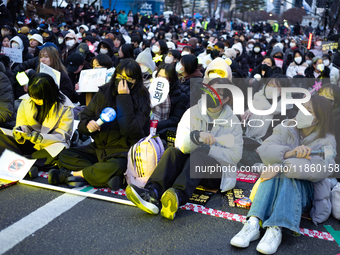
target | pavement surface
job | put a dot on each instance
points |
(40, 221)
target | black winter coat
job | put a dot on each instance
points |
(7, 113)
(116, 137)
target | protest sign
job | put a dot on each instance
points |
(278, 62)
(91, 79)
(329, 46)
(52, 72)
(14, 166)
(180, 46)
(14, 55)
(159, 90)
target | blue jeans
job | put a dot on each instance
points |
(281, 201)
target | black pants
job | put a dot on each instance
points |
(27, 150)
(96, 173)
(173, 170)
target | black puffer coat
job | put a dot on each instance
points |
(7, 113)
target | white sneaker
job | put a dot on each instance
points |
(247, 234)
(270, 241)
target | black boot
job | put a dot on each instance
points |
(58, 176)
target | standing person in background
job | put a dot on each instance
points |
(69, 15)
(309, 29)
(122, 18)
(297, 28)
(136, 19)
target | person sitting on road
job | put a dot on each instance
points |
(172, 180)
(284, 194)
(44, 123)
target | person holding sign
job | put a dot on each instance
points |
(44, 122)
(103, 162)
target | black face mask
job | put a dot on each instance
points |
(279, 57)
(211, 103)
(264, 67)
(209, 51)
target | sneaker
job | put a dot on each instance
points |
(247, 234)
(57, 176)
(270, 241)
(170, 204)
(116, 182)
(144, 199)
(33, 172)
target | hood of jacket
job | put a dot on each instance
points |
(238, 46)
(219, 64)
(109, 43)
(276, 50)
(18, 40)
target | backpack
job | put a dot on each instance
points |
(143, 158)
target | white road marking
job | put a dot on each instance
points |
(14, 234)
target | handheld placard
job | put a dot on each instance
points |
(22, 78)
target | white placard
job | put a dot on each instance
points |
(14, 166)
(159, 90)
(91, 79)
(14, 55)
(52, 72)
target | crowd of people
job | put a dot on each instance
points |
(193, 56)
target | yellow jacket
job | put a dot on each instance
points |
(56, 130)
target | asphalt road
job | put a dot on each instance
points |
(93, 226)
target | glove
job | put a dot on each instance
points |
(22, 133)
(36, 137)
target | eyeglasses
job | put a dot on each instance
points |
(121, 77)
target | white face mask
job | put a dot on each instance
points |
(60, 40)
(169, 60)
(326, 62)
(15, 45)
(144, 68)
(103, 51)
(309, 62)
(292, 45)
(70, 43)
(250, 46)
(257, 49)
(286, 41)
(320, 67)
(298, 60)
(185, 53)
(318, 43)
(155, 49)
(304, 121)
(179, 67)
(269, 92)
(214, 75)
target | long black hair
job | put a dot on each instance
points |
(42, 86)
(171, 74)
(127, 50)
(139, 94)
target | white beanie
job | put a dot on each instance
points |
(238, 46)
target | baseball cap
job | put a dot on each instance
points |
(74, 61)
(48, 44)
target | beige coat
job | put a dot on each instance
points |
(56, 130)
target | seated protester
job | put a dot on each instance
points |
(104, 61)
(317, 46)
(193, 41)
(106, 47)
(84, 49)
(241, 58)
(20, 42)
(125, 52)
(48, 36)
(298, 66)
(103, 162)
(284, 195)
(49, 56)
(71, 42)
(61, 40)
(254, 56)
(309, 58)
(332, 93)
(147, 66)
(5, 41)
(187, 69)
(205, 56)
(294, 44)
(117, 42)
(35, 41)
(172, 57)
(44, 123)
(187, 50)
(178, 101)
(5, 60)
(135, 41)
(317, 72)
(277, 53)
(171, 181)
(75, 64)
(334, 72)
(159, 52)
(7, 112)
(256, 133)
